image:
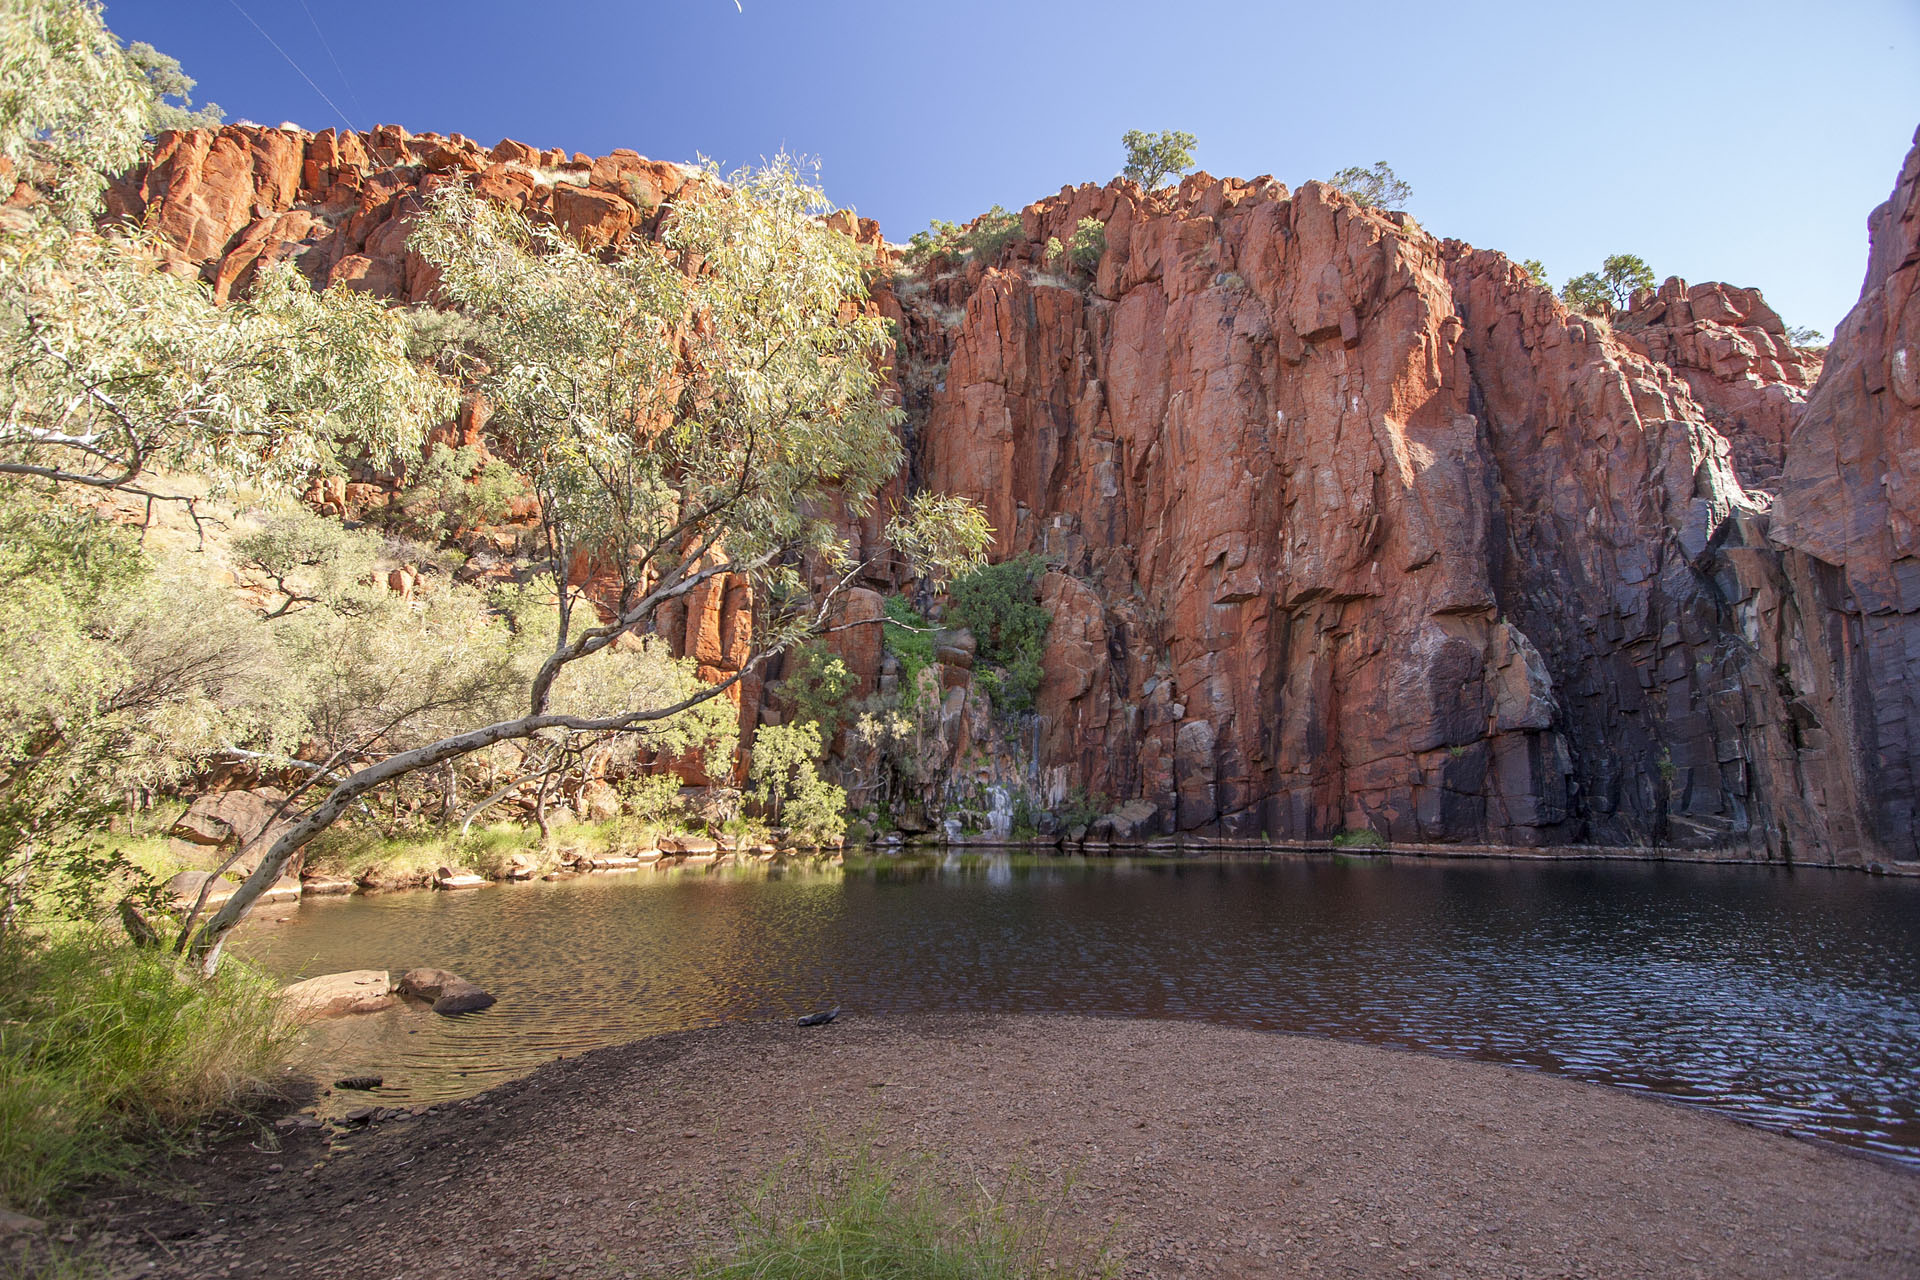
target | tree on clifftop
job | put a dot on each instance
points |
(1152, 158)
(1611, 288)
(1375, 188)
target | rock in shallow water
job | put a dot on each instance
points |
(333, 995)
(449, 992)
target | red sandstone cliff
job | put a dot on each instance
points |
(1352, 527)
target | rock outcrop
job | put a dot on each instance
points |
(1349, 527)
(1733, 351)
(1365, 531)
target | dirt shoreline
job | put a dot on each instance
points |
(1203, 1150)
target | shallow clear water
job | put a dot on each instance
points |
(1787, 998)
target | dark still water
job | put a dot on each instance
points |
(1791, 999)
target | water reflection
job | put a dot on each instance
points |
(1787, 998)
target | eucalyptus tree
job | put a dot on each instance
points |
(118, 375)
(708, 405)
(1152, 158)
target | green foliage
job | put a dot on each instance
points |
(1374, 188)
(832, 1216)
(167, 80)
(73, 105)
(984, 238)
(1801, 336)
(1537, 270)
(652, 799)
(1608, 290)
(1152, 158)
(453, 490)
(112, 676)
(1088, 244)
(307, 560)
(816, 685)
(1025, 824)
(991, 232)
(786, 779)
(1054, 250)
(942, 534)
(940, 239)
(118, 370)
(105, 1049)
(996, 602)
(909, 638)
(1080, 808)
(1365, 838)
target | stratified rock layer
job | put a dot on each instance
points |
(1349, 527)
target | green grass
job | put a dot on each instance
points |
(853, 1216)
(107, 1050)
(1358, 840)
(354, 851)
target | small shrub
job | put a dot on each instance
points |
(1080, 808)
(1374, 188)
(990, 233)
(942, 239)
(787, 782)
(1361, 839)
(455, 489)
(1054, 250)
(653, 800)
(817, 684)
(834, 1216)
(909, 638)
(1088, 244)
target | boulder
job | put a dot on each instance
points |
(326, 886)
(334, 995)
(448, 992)
(450, 878)
(226, 819)
(184, 889)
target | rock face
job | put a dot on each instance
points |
(341, 206)
(1732, 350)
(1847, 640)
(1360, 529)
(1348, 527)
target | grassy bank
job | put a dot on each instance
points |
(836, 1213)
(107, 1051)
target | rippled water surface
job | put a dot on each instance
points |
(1791, 999)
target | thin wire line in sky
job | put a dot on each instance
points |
(358, 108)
(296, 66)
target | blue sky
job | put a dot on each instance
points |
(1743, 141)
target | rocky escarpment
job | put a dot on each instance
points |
(1370, 533)
(1349, 527)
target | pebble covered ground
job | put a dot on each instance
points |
(1197, 1150)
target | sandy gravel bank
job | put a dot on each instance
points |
(1207, 1151)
